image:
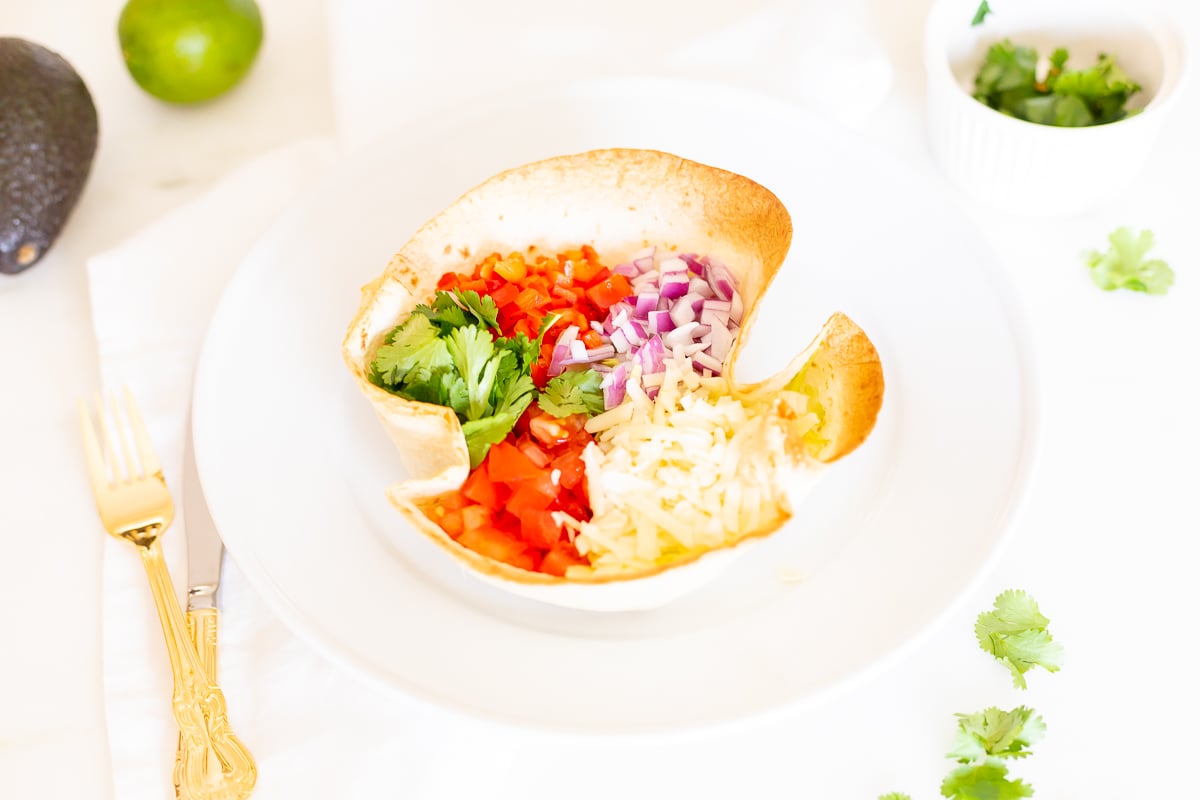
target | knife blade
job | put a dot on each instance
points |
(204, 547)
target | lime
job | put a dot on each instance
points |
(186, 51)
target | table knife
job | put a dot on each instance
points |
(204, 549)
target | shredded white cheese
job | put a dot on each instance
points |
(693, 469)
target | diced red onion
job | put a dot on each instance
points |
(721, 280)
(682, 335)
(578, 350)
(569, 334)
(682, 313)
(613, 386)
(561, 353)
(735, 308)
(700, 286)
(645, 263)
(630, 271)
(712, 317)
(660, 322)
(694, 265)
(708, 362)
(602, 352)
(619, 341)
(646, 302)
(722, 342)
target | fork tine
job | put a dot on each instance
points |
(145, 447)
(110, 450)
(126, 451)
(91, 450)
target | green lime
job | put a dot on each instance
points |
(186, 51)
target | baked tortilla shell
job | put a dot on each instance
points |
(619, 202)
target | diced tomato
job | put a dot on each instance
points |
(452, 502)
(507, 464)
(476, 517)
(452, 521)
(479, 488)
(561, 556)
(448, 281)
(570, 465)
(539, 528)
(531, 450)
(611, 290)
(548, 429)
(527, 498)
(500, 546)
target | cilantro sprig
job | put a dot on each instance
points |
(445, 353)
(996, 734)
(575, 392)
(1008, 82)
(984, 782)
(1125, 266)
(1016, 632)
(987, 740)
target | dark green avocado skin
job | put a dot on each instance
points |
(48, 132)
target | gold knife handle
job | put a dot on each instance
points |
(197, 703)
(202, 631)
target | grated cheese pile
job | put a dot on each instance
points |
(691, 469)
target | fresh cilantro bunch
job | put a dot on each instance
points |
(1015, 632)
(1008, 82)
(1125, 266)
(445, 353)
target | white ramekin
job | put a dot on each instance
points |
(1035, 169)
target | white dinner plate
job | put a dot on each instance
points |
(294, 462)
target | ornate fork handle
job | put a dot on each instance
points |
(197, 702)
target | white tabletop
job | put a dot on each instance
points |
(1107, 541)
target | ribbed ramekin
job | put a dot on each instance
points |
(1042, 170)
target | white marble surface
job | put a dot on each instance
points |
(1107, 542)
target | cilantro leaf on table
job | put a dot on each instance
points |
(996, 734)
(1015, 632)
(1008, 82)
(981, 13)
(574, 392)
(988, 781)
(1125, 266)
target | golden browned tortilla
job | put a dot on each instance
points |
(619, 202)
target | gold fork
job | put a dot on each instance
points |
(135, 505)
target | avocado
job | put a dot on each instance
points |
(48, 132)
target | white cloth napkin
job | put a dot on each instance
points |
(314, 731)
(395, 62)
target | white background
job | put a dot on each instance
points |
(1108, 541)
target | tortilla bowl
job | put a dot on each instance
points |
(619, 202)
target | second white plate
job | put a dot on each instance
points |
(294, 464)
